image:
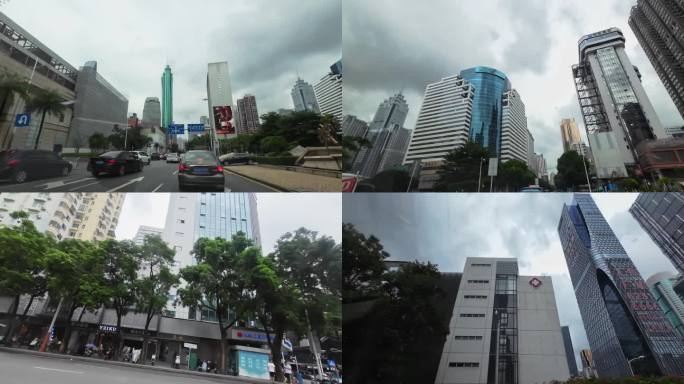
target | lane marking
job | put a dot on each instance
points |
(122, 186)
(57, 184)
(158, 188)
(59, 370)
(174, 173)
(84, 186)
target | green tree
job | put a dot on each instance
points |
(246, 142)
(128, 141)
(218, 281)
(22, 250)
(151, 290)
(121, 261)
(364, 264)
(11, 85)
(329, 130)
(461, 169)
(98, 142)
(174, 148)
(46, 102)
(199, 142)
(514, 175)
(571, 173)
(74, 274)
(274, 144)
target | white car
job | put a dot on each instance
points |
(172, 158)
(144, 157)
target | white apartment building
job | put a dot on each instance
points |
(514, 133)
(144, 231)
(329, 94)
(493, 301)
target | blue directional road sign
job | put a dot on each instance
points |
(22, 120)
(195, 128)
(176, 129)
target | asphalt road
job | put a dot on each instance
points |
(157, 177)
(26, 369)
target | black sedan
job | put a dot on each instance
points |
(200, 169)
(22, 165)
(115, 163)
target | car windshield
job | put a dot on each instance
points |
(111, 154)
(199, 157)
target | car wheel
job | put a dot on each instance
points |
(20, 176)
(122, 170)
(66, 171)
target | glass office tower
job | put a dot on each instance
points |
(485, 126)
(167, 97)
(626, 329)
(659, 214)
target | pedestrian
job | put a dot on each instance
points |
(177, 361)
(204, 366)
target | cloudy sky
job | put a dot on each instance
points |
(447, 228)
(279, 213)
(388, 46)
(266, 43)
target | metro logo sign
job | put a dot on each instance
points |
(535, 283)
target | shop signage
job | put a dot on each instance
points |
(190, 345)
(108, 328)
(249, 335)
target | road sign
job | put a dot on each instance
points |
(176, 129)
(493, 167)
(22, 120)
(195, 128)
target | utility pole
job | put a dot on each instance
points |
(479, 179)
(46, 339)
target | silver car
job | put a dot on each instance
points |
(172, 158)
(201, 169)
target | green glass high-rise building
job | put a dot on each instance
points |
(167, 97)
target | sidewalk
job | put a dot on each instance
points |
(92, 360)
(287, 180)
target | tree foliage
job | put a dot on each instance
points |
(98, 142)
(133, 140)
(571, 174)
(513, 175)
(461, 169)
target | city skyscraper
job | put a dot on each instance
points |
(661, 285)
(247, 115)
(353, 126)
(192, 216)
(443, 124)
(569, 351)
(514, 132)
(329, 92)
(658, 27)
(570, 134)
(144, 231)
(626, 329)
(504, 326)
(304, 97)
(385, 129)
(152, 112)
(618, 114)
(486, 121)
(659, 214)
(167, 97)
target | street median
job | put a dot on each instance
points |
(286, 180)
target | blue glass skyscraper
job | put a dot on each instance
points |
(485, 125)
(626, 328)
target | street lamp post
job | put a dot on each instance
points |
(629, 362)
(479, 179)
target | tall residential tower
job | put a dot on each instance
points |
(167, 97)
(329, 92)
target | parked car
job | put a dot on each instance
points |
(144, 157)
(22, 165)
(532, 188)
(172, 158)
(156, 156)
(200, 169)
(115, 163)
(237, 158)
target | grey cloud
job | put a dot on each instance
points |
(532, 38)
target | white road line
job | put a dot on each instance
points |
(59, 370)
(158, 188)
(58, 184)
(122, 186)
(84, 186)
(174, 173)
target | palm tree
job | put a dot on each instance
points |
(10, 85)
(45, 101)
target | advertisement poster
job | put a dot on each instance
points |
(223, 119)
(253, 364)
